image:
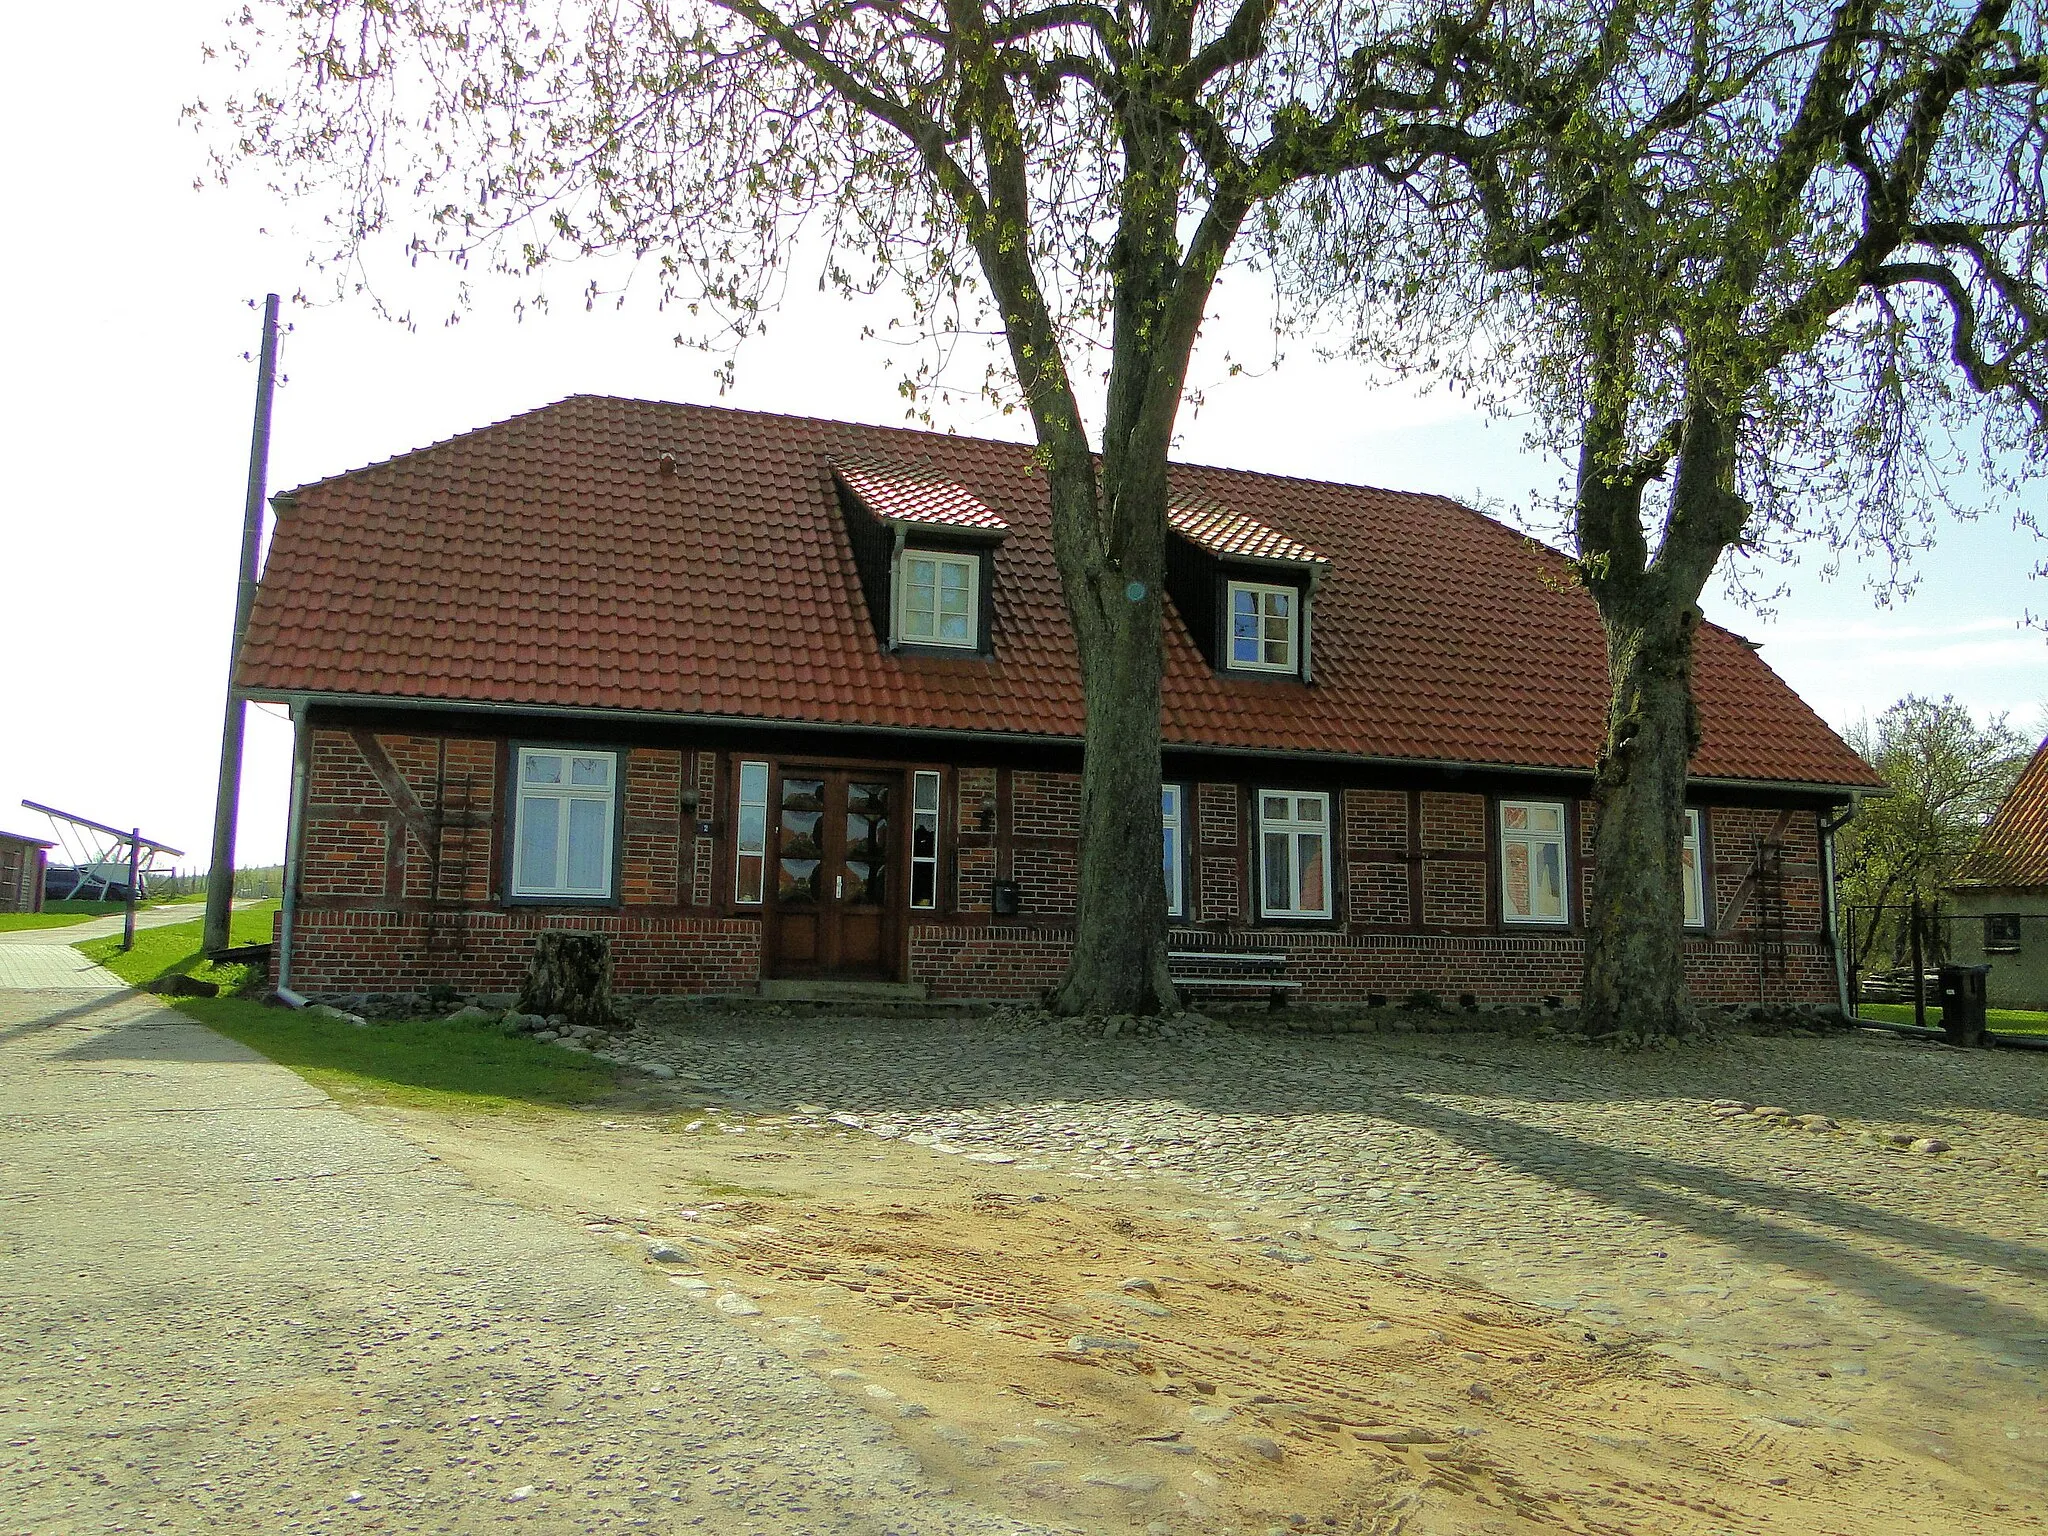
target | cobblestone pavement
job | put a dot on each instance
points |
(231, 1306)
(1850, 1279)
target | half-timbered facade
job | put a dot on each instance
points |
(764, 699)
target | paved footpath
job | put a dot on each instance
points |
(226, 1305)
(43, 958)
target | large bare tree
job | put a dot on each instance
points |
(1758, 270)
(1074, 175)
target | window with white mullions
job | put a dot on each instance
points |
(563, 823)
(1532, 862)
(938, 599)
(1294, 854)
(1693, 863)
(751, 862)
(924, 840)
(1264, 627)
(1171, 797)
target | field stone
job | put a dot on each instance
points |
(1929, 1144)
(472, 1013)
(662, 1251)
(733, 1304)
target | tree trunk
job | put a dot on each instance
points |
(1119, 960)
(571, 973)
(1634, 978)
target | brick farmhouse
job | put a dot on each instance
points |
(762, 698)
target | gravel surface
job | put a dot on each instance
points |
(1897, 1234)
(231, 1306)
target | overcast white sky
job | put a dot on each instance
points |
(125, 435)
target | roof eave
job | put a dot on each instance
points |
(298, 699)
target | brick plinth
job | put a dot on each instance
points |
(487, 952)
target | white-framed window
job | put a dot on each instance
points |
(938, 599)
(1532, 862)
(924, 840)
(1294, 854)
(1692, 862)
(562, 836)
(1171, 800)
(750, 863)
(1265, 627)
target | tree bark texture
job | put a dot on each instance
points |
(570, 973)
(1634, 980)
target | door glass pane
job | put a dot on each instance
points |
(924, 884)
(539, 840)
(803, 805)
(588, 854)
(797, 882)
(867, 843)
(927, 791)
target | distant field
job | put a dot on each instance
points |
(2008, 1021)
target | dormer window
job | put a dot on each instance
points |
(1245, 590)
(938, 599)
(1264, 627)
(924, 546)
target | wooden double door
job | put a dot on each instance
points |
(835, 874)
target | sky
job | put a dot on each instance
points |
(129, 385)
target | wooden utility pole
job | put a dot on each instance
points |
(220, 884)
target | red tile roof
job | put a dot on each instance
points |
(915, 493)
(550, 560)
(1227, 531)
(2013, 852)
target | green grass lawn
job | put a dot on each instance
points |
(2008, 1021)
(428, 1063)
(420, 1064)
(11, 922)
(176, 947)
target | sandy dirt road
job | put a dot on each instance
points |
(227, 1305)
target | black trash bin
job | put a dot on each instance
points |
(1962, 1003)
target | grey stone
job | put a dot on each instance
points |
(1930, 1144)
(1265, 1447)
(473, 1013)
(733, 1304)
(663, 1251)
(658, 1069)
(1126, 1482)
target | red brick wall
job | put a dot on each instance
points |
(1048, 880)
(1454, 895)
(651, 873)
(373, 917)
(1023, 962)
(1045, 804)
(488, 952)
(1007, 962)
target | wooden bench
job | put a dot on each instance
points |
(1194, 970)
